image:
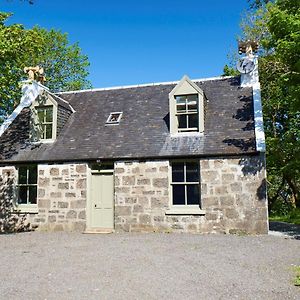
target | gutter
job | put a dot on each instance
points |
(4, 163)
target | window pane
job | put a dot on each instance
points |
(22, 199)
(192, 106)
(42, 131)
(177, 172)
(23, 175)
(178, 195)
(193, 194)
(40, 115)
(32, 194)
(181, 108)
(180, 99)
(32, 174)
(182, 121)
(192, 98)
(114, 118)
(48, 113)
(193, 121)
(192, 172)
(48, 134)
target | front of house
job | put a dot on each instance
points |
(181, 156)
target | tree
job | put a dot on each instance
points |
(276, 24)
(229, 71)
(283, 108)
(65, 65)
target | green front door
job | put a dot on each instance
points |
(102, 201)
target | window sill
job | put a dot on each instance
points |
(43, 142)
(185, 211)
(30, 209)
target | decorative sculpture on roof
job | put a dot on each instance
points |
(35, 73)
(249, 47)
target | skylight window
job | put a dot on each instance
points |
(114, 118)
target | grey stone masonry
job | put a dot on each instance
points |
(233, 194)
(61, 197)
(7, 183)
(233, 197)
(141, 196)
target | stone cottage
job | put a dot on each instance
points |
(183, 156)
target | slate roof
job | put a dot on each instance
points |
(144, 128)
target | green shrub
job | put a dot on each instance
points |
(292, 216)
(281, 208)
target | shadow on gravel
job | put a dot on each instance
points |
(286, 229)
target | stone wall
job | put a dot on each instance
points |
(62, 197)
(10, 222)
(141, 196)
(233, 196)
(7, 183)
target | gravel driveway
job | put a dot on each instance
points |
(147, 266)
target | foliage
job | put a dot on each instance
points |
(297, 276)
(64, 64)
(254, 4)
(284, 213)
(276, 24)
(280, 78)
(229, 71)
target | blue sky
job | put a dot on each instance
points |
(134, 42)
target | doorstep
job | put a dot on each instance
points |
(99, 230)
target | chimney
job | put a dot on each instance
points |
(248, 64)
(248, 67)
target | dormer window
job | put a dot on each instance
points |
(44, 119)
(186, 103)
(45, 122)
(114, 118)
(187, 112)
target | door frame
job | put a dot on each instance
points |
(89, 206)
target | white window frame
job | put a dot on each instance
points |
(43, 124)
(117, 122)
(186, 209)
(26, 207)
(187, 112)
(43, 100)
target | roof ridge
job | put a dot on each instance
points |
(143, 85)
